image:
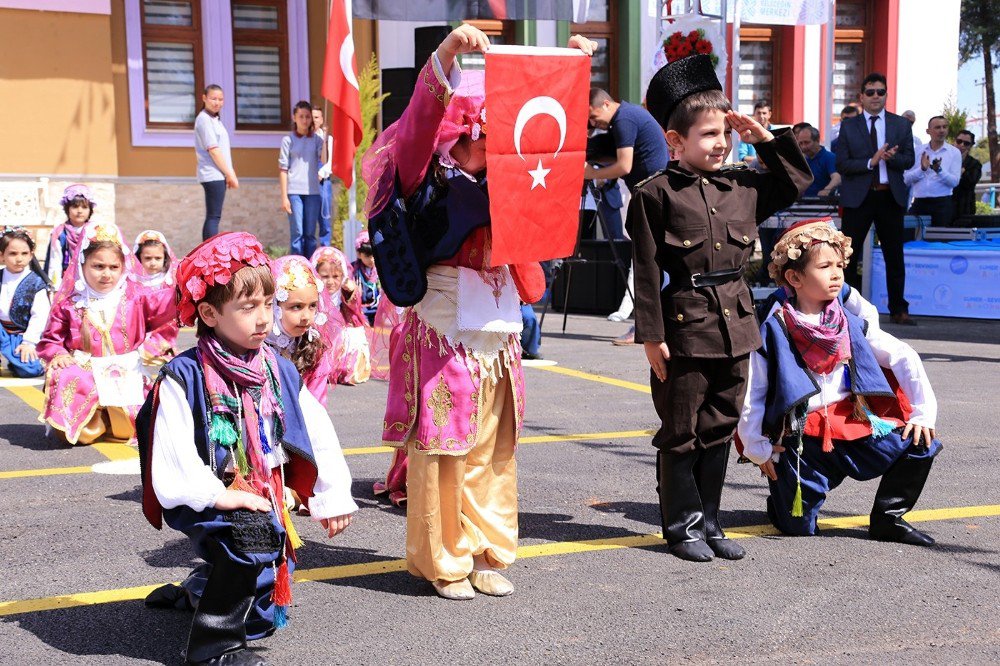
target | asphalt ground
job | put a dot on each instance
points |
(594, 584)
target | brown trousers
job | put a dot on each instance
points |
(699, 405)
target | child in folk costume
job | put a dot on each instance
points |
(365, 274)
(697, 220)
(299, 319)
(832, 397)
(155, 270)
(78, 204)
(346, 325)
(91, 346)
(456, 388)
(224, 435)
(388, 324)
(24, 302)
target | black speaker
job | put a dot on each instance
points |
(426, 41)
(398, 83)
(597, 287)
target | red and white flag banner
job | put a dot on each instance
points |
(536, 143)
(340, 86)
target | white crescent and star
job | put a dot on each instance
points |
(539, 106)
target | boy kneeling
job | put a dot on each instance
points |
(226, 435)
(832, 396)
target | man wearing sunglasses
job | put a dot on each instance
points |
(874, 149)
(972, 170)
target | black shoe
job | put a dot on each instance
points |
(169, 596)
(530, 357)
(681, 512)
(710, 475)
(238, 658)
(692, 551)
(897, 494)
(903, 319)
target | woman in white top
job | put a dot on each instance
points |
(215, 161)
(299, 161)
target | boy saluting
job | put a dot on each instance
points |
(697, 221)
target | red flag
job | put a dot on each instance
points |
(536, 142)
(340, 86)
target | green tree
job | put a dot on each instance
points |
(981, 151)
(980, 36)
(956, 117)
(370, 88)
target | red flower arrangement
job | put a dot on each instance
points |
(678, 45)
(211, 263)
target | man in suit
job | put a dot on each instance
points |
(874, 149)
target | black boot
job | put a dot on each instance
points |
(169, 596)
(680, 506)
(710, 473)
(218, 629)
(897, 494)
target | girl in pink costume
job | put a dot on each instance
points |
(98, 323)
(300, 320)
(78, 203)
(347, 327)
(155, 270)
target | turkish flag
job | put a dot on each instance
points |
(536, 144)
(340, 86)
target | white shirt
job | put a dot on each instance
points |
(180, 478)
(889, 352)
(326, 170)
(39, 306)
(930, 183)
(883, 173)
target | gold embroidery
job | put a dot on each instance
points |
(440, 403)
(67, 394)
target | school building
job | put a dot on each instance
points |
(105, 91)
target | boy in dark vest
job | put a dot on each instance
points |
(697, 221)
(229, 438)
(832, 396)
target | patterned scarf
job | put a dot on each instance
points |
(243, 389)
(73, 237)
(825, 345)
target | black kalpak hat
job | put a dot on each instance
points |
(678, 80)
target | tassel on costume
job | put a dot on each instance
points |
(293, 536)
(827, 434)
(880, 427)
(282, 595)
(797, 501)
(222, 431)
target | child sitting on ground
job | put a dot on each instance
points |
(226, 432)
(831, 397)
(156, 266)
(346, 325)
(98, 323)
(24, 302)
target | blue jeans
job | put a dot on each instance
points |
(302, 223)
(325, 212)
(531, 334)
(215, 194)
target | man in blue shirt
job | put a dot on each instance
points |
(762, 114)
(641, 149)
(822, 162)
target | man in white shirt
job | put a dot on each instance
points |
(935, 175)
(912, 117)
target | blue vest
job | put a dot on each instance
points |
(789, 383)
(24, 297)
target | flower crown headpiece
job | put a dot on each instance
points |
(12, 229)
(77, 190)
(149, 235)
(214, 262)
(800, 237)
(295, 274)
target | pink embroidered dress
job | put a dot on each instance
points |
(160, 345)
(88, 325)
(437, 363)
(293, 272)
(346, 326)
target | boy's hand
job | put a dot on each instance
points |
(231, 499)
(27, 352)
(750, 130)
(767, 469)
(335, 525)
(657, 353)
(919, 433)
(61, 361)
(588, 46)
(286, 205)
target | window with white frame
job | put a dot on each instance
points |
(256, 50)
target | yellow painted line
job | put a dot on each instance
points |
(20, 607)
(47, 471)
(579, 374)
(31, 396)
(361, 450)
(115, 450)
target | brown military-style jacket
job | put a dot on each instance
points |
(686, 223)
